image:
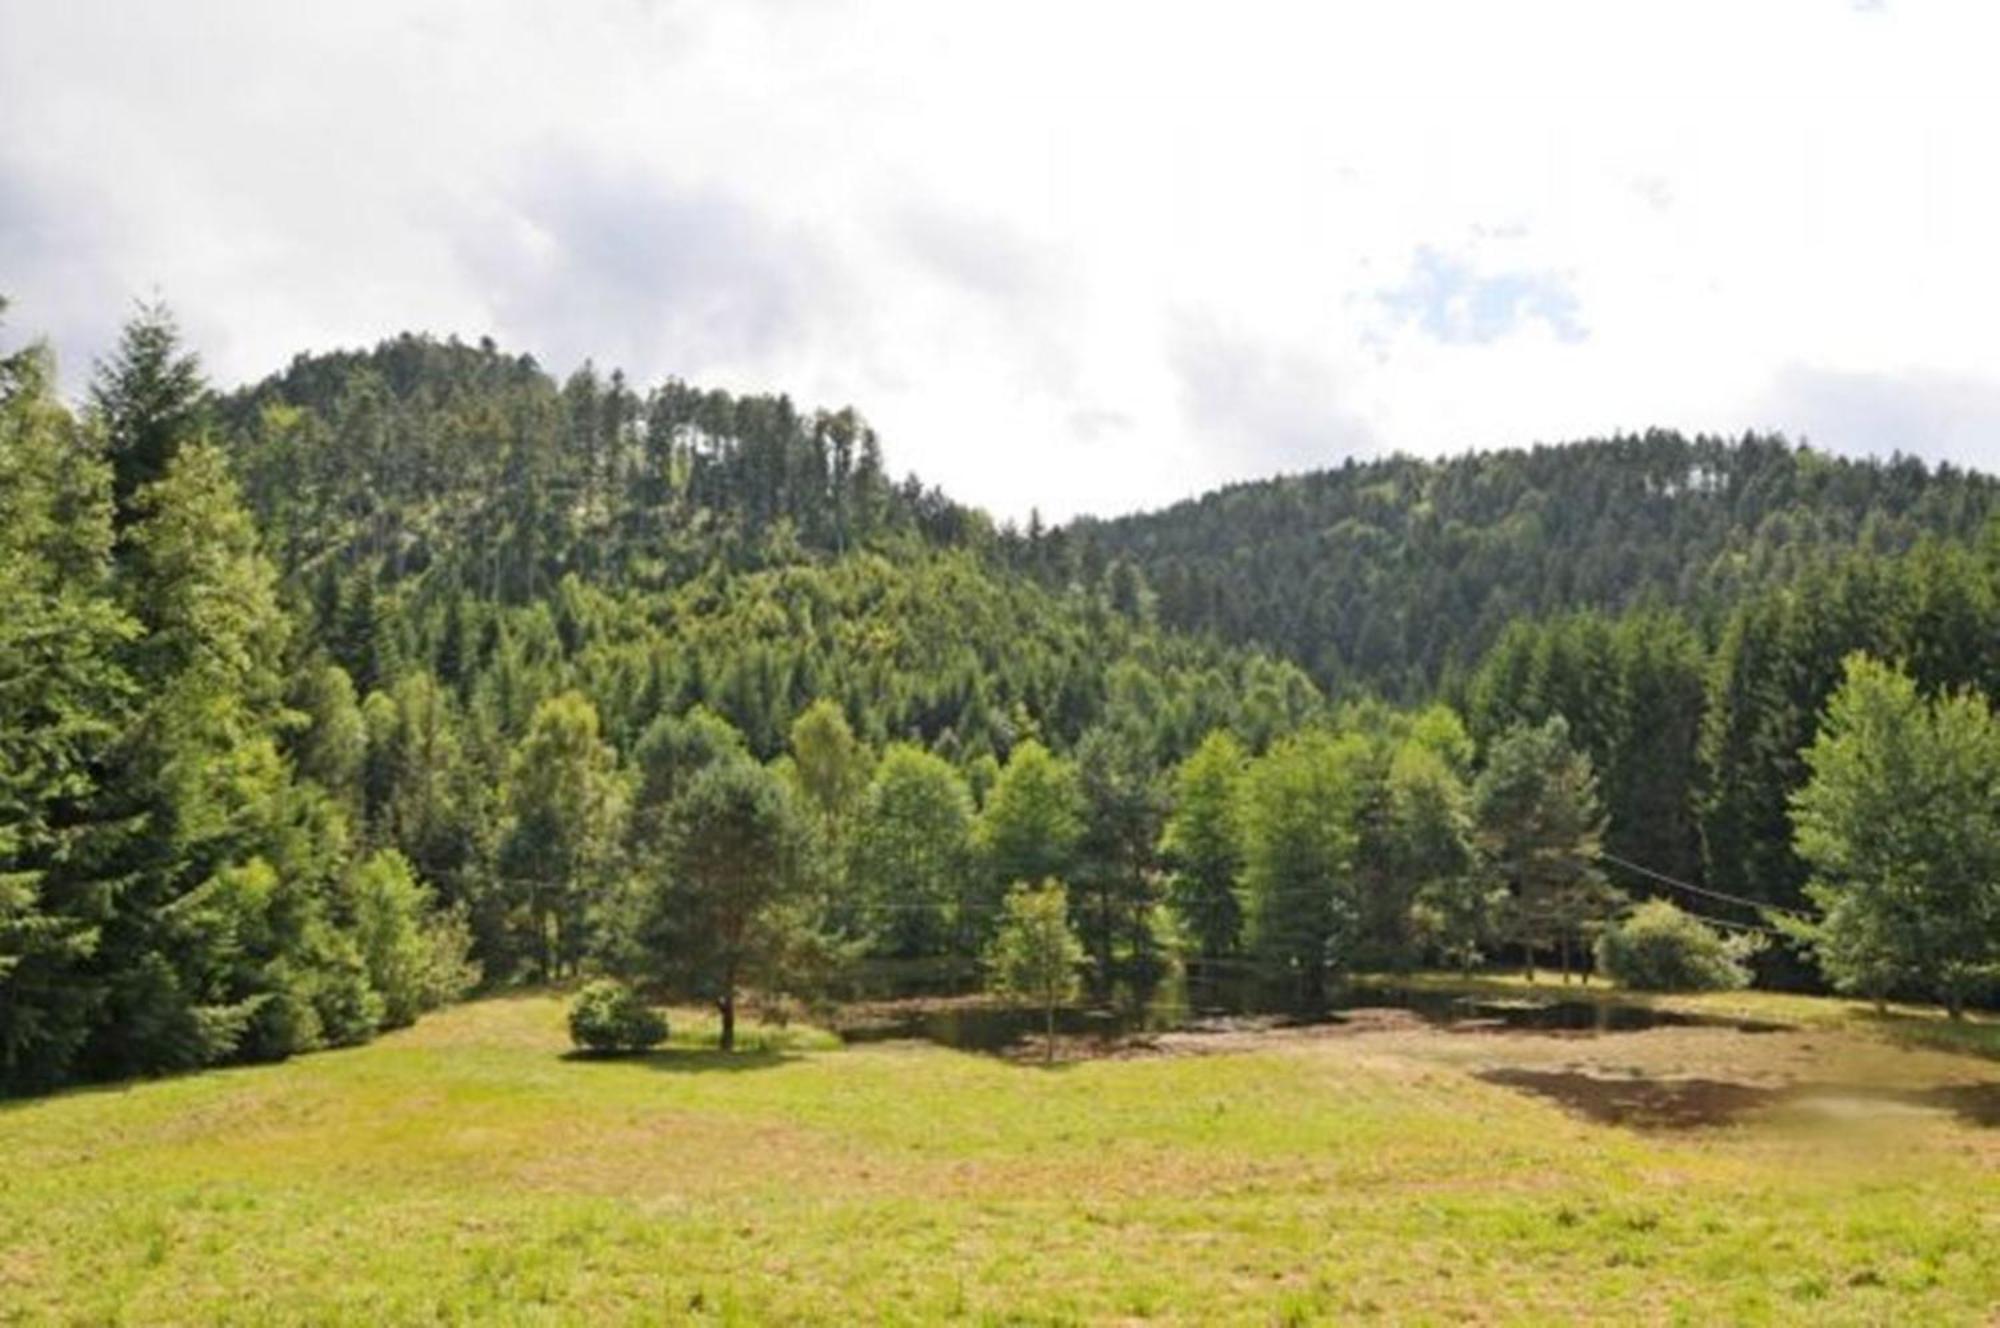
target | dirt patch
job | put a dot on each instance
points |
(1638, 1102)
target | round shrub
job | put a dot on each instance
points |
(608, 1016)
(1660, 948)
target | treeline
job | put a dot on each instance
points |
(1396, 575)
(409, 669)
(173, 893)
(257, 804)
(1702, 741)
(1364, 837)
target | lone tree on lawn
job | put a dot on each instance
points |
(727, 910)
(1034, 956)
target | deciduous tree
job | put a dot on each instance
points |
(1034, 954)
(1900, 822)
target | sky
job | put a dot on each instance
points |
(1074, 257)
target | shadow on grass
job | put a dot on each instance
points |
(687, 1060)
(1976, 1036)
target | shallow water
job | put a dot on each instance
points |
(1185, 1006)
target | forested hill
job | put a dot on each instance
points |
(415, 667)
(439, 507)
(1392, 576)
(422, 452)
(1399, 572)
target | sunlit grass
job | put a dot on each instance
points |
(468, 1170)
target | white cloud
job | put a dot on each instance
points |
(1085, 257)
(1940, 417)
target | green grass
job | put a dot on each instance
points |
(467, 1171)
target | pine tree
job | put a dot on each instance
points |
(726, 898)
(1539, 826)
(65, 696)
(148, 400)
(1122, 811)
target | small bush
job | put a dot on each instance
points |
(609, 1016)
(1660, 948)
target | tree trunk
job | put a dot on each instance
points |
(1562, 951)
(1313, 986)
(727, 1006)
(1528, 960)
(1049, 1033)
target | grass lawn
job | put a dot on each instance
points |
(465, 1170)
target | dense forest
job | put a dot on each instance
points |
(1400, 573)
(326, 700)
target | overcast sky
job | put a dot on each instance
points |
(1089, 257)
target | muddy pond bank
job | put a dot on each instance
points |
(1611, 1061)
(1184, 1012)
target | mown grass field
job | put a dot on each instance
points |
(466, 1171)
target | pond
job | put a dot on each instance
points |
(971, 1023)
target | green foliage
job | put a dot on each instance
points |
(608, 1016)
(388, 909)
(831, 764)
(65, 695)
(676, 748)
(1034, 955)
(1632, 692)
(317, 698)
(148, 400)
(1392, 574)
(221, 942)
(1657, 947)
(435, 797)
(910, 858)
(1123, 808)
(1900, 823)
(1203, 845)
(1778, 663)
(416, 957)
(1538, 826)
(331, 745)
(1450, 906)
(1029, 827)
(564, 810)
(1300, 802)
(723, 905)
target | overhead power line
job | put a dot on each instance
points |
(1722, 895)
